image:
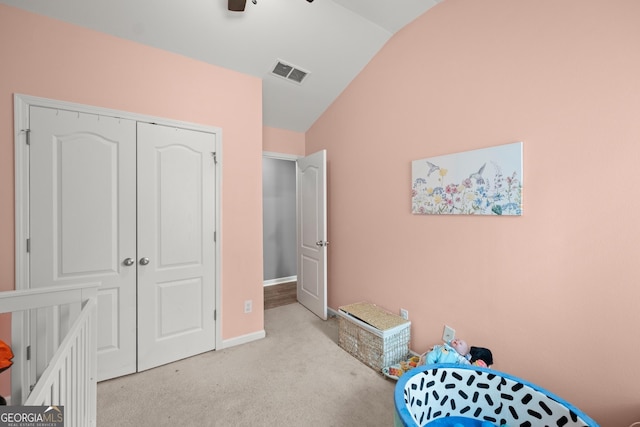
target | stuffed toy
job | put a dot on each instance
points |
(457, 351)
(480, 356)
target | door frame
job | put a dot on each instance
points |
(292, 158)
(295, 158)
(22, 103)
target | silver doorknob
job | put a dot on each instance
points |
(144, 261)
(129, 262)
(322, 243)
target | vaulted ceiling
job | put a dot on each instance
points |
(328, 42)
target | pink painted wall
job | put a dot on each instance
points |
(554, 293)
(282, 141)
(47, 58)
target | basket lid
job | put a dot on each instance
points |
(373, 315)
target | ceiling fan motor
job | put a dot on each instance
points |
(238, 5)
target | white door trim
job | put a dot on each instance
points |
(281, 156)
(21, 175)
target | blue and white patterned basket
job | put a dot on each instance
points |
(433, 392)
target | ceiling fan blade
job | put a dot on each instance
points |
(237, 5)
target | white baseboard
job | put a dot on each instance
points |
(243, 339)
(279, 280)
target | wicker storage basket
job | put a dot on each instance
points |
(373, 335)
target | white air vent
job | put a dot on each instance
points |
(289, 72)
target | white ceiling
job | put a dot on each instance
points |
(331, 39)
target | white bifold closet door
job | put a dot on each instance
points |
(128, 205)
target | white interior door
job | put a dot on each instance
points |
(312, 233)
(176, 244)
(83, 224)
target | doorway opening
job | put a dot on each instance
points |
(311, 231)
(279, 229)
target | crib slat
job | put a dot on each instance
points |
(70, 378)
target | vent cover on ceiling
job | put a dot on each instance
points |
(289, 72)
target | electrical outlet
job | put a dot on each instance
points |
(448, 334)
(248, 306)
(404, 314)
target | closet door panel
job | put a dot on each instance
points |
(82, 225)
(176, 246)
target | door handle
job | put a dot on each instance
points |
(322, 243)
(144, 261)
(128, 262)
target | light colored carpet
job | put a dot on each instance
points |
(296, 376)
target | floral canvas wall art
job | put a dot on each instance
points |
(486, 181)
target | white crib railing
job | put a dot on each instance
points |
(70, 378)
